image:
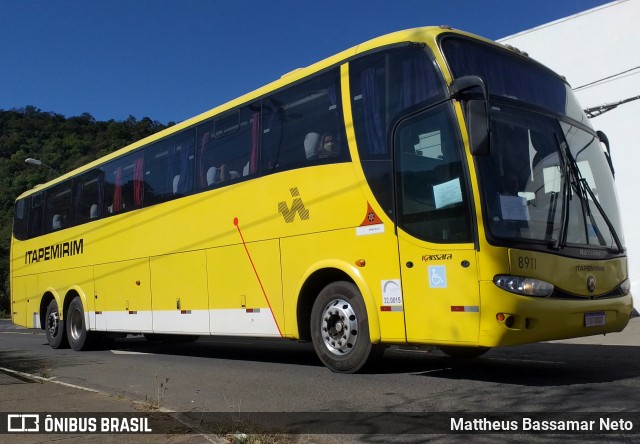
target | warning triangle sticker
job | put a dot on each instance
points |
(371, 217)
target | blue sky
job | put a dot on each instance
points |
(172, 59)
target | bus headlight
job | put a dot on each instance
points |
(523, 285)
(625, 287)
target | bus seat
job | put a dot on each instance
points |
(211, 175)
(93, 212)
(245, 170)
(176, 181)
(56, 224)
(311, 142)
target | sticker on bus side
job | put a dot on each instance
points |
(437, 276)
(391, 292)
(369, 229)
(371, 224)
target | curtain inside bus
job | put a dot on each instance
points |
(393, 82)
(138, 181)
(383, 86)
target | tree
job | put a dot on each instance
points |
(64, 144)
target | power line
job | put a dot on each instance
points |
(606, 78)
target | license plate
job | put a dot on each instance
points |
(594, 319)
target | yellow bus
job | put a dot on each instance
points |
(425, 187)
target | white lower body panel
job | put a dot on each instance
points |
(231, 322)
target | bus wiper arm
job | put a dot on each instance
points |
(561, 242)
(612, 229)
(575, 181)
(584, 191)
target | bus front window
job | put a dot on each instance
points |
(547, 181)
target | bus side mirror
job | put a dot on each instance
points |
(605, 140)
(464, 85)
(466, 90)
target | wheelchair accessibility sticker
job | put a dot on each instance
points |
(437, 276)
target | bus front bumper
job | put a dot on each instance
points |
(510, 319)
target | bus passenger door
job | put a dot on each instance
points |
(434, 228)
(440, 292)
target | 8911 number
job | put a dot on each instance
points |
(527, 263)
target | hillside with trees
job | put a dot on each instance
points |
(60, 142)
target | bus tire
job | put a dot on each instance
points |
(340, 329)
(54, 327)
(77, 334)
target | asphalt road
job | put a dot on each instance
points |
(597, 374)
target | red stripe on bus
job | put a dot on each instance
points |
(237, 224)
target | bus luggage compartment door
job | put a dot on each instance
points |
(123, 296)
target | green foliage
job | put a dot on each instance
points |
(64, 144)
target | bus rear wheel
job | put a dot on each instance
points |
(77, 334)
(340, 329)
(54, 327)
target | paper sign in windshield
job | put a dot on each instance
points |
(514, 208)
(552, 180)
(447, 193)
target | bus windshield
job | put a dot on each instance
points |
(547, 179)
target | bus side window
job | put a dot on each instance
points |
(205, 171)
(21, 218)
(87, 197)
(123, 183)
(385, 85)
(169, 168)
(228, 147)
(35, 215)
(57, 213)
(303, 125)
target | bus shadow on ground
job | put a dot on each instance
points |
(543, 364)
(228, 348)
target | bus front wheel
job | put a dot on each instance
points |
(77, 334)
(340, 329)
(54, 327)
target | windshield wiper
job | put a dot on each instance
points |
(614, 233)
(583, 191)
(561, 242)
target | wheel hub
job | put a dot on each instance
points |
(52, 324)
(339, 327)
